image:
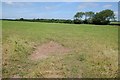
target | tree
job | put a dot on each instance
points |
(91, 14)
(21, 19)
(78, 17)
(86, 15)
(103, 17)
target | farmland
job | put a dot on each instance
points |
(79, 50)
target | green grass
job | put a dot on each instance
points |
(0, 48)
(115, 23)
(94, 50)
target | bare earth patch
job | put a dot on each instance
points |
(47, 49)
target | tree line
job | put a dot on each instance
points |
(102, 17)
(47, 20)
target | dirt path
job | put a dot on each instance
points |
(46, 49)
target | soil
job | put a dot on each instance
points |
(46, 49)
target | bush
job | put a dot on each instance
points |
(77, 21)
(85, 21)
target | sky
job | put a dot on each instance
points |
(49, 10)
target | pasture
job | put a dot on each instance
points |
(34, 49)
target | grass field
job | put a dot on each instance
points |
(93, 50)
(0, 49)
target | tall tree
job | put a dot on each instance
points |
(91, 14)
(86, 15)
(103, 17)
(90, 17)
(76, 15)
(79, 15)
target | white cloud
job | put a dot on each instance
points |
(49, 7)
(107, 6)
(9, 2)
(89, 5)
(17, 3)
(116, 13)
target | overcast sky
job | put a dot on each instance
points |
(61, 10)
